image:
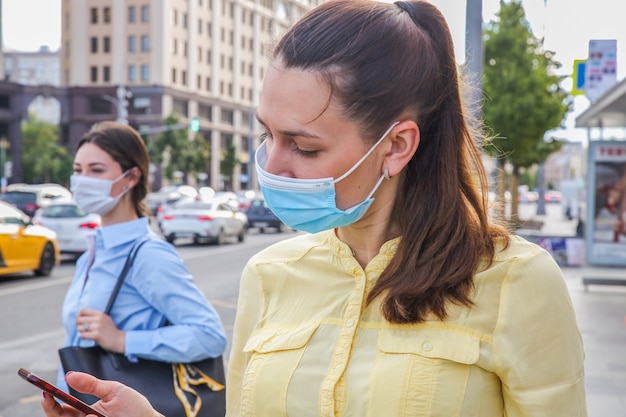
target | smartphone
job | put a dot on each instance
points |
(57, 393)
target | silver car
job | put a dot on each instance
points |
(71, 224)
(201, 220)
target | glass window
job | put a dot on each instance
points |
(132, 73)
(94, 15)
(132, 43)
(145, 43)
(145, 73)
(145, 13)
(106, 47)
(94, 74)
(132, 14)
(106, 73)
(94, 45)
(106, 15)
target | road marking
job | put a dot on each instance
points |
(30, 340)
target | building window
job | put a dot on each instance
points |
(132, 73)
(174, 46)
(227, 116)
(132, 43)
(106, 74)
(94, 74)
(145, 73)
(199, 54)
(132, 14)
(106, 15)
(199, 82)
(183, 77)
(94, 15)
(106, 44)
(185, 20)
(173, 75)
(208, 83)
(94, 45)
(145, 13)
(208, 56)
(200, 25)
(145, 43)
(175, 17)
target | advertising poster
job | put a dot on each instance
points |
(600, 68)
(606, 203)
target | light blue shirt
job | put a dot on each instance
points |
(158, 287)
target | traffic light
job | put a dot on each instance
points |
(194, 125)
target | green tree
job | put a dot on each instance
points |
(177, 152)
(523, 96)
(43, 158)
(228, 164)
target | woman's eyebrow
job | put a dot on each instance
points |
(292, 133)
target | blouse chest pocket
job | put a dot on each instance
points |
(274, 355)
(426, 370)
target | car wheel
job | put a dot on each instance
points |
(46, 262)
(170, 239)
(242, 235)
(220, 239)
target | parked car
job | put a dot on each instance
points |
(25, 246)
(30, 197)
(528, 197)
(156, 199)
(552, 196)
(203, 220)
(262, 218)
(71, 224)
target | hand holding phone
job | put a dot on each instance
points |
(57, 393)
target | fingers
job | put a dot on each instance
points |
(54, 409)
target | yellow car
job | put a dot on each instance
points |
(25, 246)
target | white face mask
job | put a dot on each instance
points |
(93, 195)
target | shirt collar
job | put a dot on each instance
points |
(120, 233)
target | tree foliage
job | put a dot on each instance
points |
(43, 158)
(228, 164)
(523, 98)
(177, 152)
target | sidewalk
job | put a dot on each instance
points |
(601, 313)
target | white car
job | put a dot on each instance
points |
(203, 220)
(71, 224)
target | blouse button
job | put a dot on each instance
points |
(427, 347)
(350, 322)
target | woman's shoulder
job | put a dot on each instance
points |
(291, 249)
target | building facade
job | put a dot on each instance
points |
(36, 68)
(200, 59)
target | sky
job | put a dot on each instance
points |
(566, 25)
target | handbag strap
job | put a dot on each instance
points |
(120, 279)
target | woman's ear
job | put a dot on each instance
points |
(134, 176)
(405, 139)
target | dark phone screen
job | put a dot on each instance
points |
(57, 393)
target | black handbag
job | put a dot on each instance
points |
(174, 389)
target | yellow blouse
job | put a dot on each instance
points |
(305, 344)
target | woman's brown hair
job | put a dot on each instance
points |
(384, 62)
(127, 148)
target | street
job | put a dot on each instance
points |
(30, 319)
(30, 314)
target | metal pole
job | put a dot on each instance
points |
(474, 53)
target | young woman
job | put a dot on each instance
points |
(110, 179)
(404, 299)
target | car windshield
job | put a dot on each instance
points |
(19, 197)
(194, 206)
(63, 211)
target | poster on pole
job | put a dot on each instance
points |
(600, 68)
(606, 204)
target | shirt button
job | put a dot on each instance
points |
(350, 323)
(427, 347)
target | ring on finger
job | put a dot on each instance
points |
(84, 327)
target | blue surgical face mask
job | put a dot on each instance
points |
(310, 204)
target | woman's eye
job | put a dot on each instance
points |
(306, 154)
(266, 136)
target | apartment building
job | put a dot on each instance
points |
(200, 59)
